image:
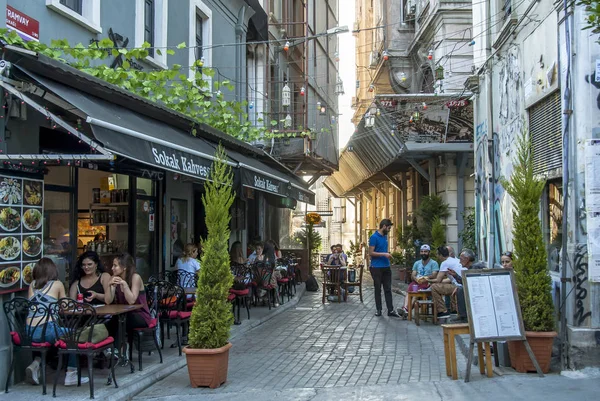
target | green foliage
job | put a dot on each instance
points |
(430, 208)
(171, 86)
(467, 235)
(592, 7)
(438, 236)
(211, 316)
(398, 259)
(405, 241)
(314, 244)
(354, 251)
(530, 263)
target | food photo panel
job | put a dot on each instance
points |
(10, 219)
(10, 277)
(11, 190)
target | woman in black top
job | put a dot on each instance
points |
(89, 279)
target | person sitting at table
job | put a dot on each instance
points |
(336, 258)
(236, 254)
(127, 288)
(188, 262)
(90, 279)
(340, 250)
(265, 253)
(422, 270)
(46, 289)
(276, 249)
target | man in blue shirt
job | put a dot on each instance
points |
(380, 267)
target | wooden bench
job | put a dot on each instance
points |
(452, 330)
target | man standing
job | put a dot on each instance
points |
(380, 267)
(451, 270)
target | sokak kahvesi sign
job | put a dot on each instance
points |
(180, 162)
(266, 184)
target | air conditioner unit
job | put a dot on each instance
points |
(373, 59)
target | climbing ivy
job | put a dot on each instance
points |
(170, 86)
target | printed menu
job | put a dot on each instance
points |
(494, 312)
(21, 228)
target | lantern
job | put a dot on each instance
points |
(369, 120)
(287, 123)
(439, 72)
(285, 96)
(339, 87)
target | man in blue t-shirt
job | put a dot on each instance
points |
(380, 267)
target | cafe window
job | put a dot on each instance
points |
(75, 5)
(58, 231)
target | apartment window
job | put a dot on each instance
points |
(149, 25)
(151, 18)
(506, 8)
(545, 128)
(199, 27)
(200, 34)
(83, 12)
(75, 5)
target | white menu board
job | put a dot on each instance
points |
(492, 305)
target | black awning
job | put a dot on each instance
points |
(258, 26)
(257, 175)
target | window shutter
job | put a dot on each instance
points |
(545, 128)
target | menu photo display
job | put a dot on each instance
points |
(21, 228)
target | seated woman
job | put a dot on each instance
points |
(276, 249)
(127, 288)
(265, 253)
(89, 279)
(236, 254)
(506, 260)
(46, 289)
(336, 258)
(188, 262)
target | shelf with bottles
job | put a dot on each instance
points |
(111, 215)
(108, 205)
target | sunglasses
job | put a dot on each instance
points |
(509, 254)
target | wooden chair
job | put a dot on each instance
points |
(425, 309)
(332, 280)
(413, 296)
(17, 311)
(355, 284)
(450, 331)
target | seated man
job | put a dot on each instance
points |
(423, 269)
(451, 271)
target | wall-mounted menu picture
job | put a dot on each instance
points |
(21, 227)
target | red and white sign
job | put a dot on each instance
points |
(457, 103)
(27, 27)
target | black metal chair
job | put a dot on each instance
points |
(75, 323)
(166, 275)
(170, 305)
(186, 279)
(151, 330)
(17, 312)
(242, 284)
(262, 273)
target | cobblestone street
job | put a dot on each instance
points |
(340, 349)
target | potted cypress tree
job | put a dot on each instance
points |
(533, 281)
(208, 347)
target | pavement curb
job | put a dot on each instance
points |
(127, 393)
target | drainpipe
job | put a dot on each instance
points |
(240, 33)
(490, 133)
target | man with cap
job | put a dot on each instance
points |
(423, 269)
(380, 267)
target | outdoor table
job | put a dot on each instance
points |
(121, 312)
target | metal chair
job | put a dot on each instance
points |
(151, 330)
(170, 305)
(262, 273)
(75, 324)
(17, 312)
(243, 276)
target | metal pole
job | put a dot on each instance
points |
(490, 133)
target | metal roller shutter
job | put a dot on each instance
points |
(545, 128)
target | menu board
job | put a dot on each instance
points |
(21, 228)
(492, 305)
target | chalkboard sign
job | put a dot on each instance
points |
(492, 305)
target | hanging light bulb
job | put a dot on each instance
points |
(337, 56)
(430, 55)
(286, 47)
(378, 113)
(285, 96)
(393, 132)
(385, 55)
(201, 62)
(251, 105)
(410, 120)
(472, 43)
(333, 119)
(318, 105)
(402, 77)
(371, 88)
(424, 105)
(302, 91)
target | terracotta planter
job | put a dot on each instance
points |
(541, 345)
(207, 367)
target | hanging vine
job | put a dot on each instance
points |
(171, 86)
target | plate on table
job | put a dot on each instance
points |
(10, 248)
(32, 245)
(27, 273)
(10, 191)
(10, 219)
(32, 193)
(32, 219)
(9, 276)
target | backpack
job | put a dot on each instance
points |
(311, 284)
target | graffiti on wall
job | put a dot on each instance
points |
(582, 311)
(591, 79)
(481, 189)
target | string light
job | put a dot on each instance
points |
(251, 105)
(424, 105)
(286, 47)
(430, 55)
(385, 55)
(402, 77)
(302, 91)
(371, 88)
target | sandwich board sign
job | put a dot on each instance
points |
(493, 310)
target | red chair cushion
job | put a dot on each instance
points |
(153, 324)
(240, 293)
(283, 280)
(190, 304)
(175, 314)
(230, 297)
(107, 341)
(16, 339)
